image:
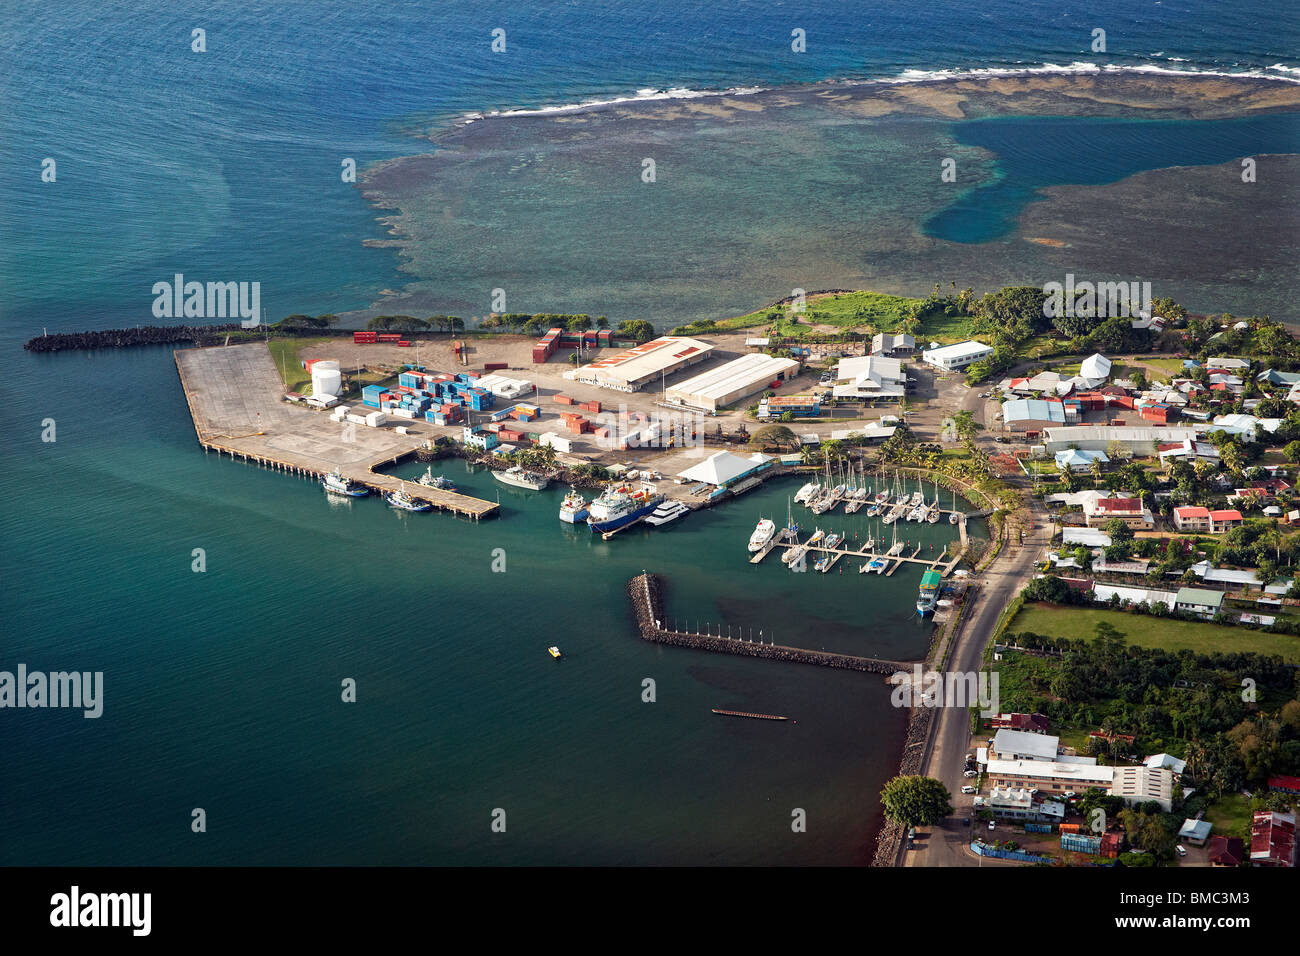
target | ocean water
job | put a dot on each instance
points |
(222, 688)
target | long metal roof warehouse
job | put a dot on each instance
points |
(732, 381)
(633, 368)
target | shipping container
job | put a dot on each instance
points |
(494, 366)
(364, 338)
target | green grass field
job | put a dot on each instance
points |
(856, 310)
(288, 361)
(1230, 815)
(1146, 631)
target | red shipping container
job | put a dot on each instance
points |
(492, 366)
(563, 400)
(404, 344)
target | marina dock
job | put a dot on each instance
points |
(235, 397)
(646, 593)
(944, 564)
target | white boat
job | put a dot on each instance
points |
(803, 494)
(816, 537)
(763, 533)
(335, 483)
(853, 506)
(621, 505)
(573, 509)
(441, 482)
(666, 512)
(554, 652)
(918, 512)
(404, 502)
(874, 566)
(954, 518)
(896, 549)
(832, 540)
(519, 478)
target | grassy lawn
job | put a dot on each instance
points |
(856, 310)
(1146, 631)
(1230, 816)
(285, 353)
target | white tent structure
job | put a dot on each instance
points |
(723, 467)
(1096, 369)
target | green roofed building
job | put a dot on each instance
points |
(1199, 601)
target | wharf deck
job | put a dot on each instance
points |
(235, 397)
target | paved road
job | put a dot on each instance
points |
(946, 759)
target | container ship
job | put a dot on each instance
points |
(929, 593)
(620, 506)
(573, 509)
(522, 479)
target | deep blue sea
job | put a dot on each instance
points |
(222, 687)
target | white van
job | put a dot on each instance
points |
(1181, 850)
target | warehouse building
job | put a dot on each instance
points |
(634, 368)
(870, 377)
(1138, 442)
(733, 381)
(949, 357)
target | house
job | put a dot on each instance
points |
(1105, 592)
(1032, 414)
(1223, 519)
(1188, 450)
(1195, 832)
(479, 439)
(1191, 518)
(1226, 851)
(1129, 510)
(892, 345)
(1088, 537)
(1167, 762)
(1077, 460)
(1027, 723)
(1289, 785)
(1272, 839)
(1019, 803)
(1199, 601)
(1011, 744)
(1227, 364)
(952, 357)
(1274, 377)
(870, 377)
(1244, 425)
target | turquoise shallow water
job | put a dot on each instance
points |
(222, 688)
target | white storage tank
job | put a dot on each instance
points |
(326, 379)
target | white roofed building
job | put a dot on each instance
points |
(868, 377)
(950, 357)
(732, 381)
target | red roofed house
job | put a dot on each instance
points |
(1221, 521)
(1226, 851)
(1285, 784)
(1190, 518)
(1029, 723)
(1128, 510)
(1272, 839)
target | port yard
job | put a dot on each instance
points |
(235, 396)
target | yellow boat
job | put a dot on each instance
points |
(554, 651)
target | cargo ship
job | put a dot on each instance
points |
(620, 506)
(573, 509)
(335, 482)
(929, 592)
(522, 479)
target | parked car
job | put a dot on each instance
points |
(965, 821)
(967, 789)
(992, 825)
(968, 773)
(970, 757)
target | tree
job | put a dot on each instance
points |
(1118, 530)
(915, 801)
(638, 329)
(776, 436)
(964, 425)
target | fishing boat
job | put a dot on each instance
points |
(520, 478)
(553, 651)
(620, 505)
(441, 482)
(404, 502)
(336, 484)
(666, 512)
(573, 509)
(929, 593)
(763, 533)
